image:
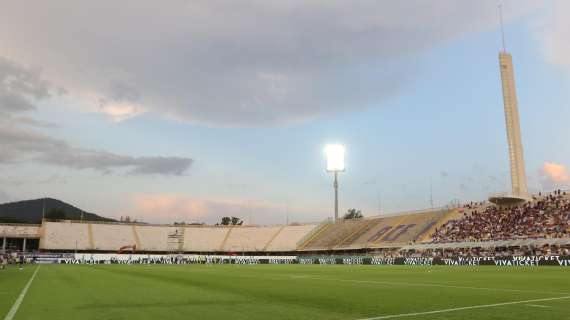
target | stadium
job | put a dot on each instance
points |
(495, 254)
(385, 266)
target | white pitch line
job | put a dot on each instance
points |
(537, 306)
(18, 302)
(482, 306)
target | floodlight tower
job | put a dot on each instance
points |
(512, 122)
(519, 191)
(335, 164)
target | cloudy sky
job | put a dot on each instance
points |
(191, 110)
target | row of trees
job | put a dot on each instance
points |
(353, 214)
(230, 221)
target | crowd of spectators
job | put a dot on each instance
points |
(488, 252)
(531, 250)
(546, 216)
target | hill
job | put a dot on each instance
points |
(30, 211)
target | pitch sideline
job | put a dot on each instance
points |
(482, 306)
(18, 301)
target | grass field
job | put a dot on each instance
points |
(285, 292)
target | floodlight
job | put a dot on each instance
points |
(335, 164)
(335, 157)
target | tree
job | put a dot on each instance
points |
(56, 214)
(234, 221)
(353, 214)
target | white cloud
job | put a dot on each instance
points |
(554, 174)
(122, 110)
(20, 140)
(169, 208)
(233, 63)
(553, 30)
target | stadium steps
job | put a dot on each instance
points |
(452, 214)
(181, 240)
(356, 234)
(136, 237)
(322, 228)
(401, 221)
(273, 238)
(90, 236)
(222, 246)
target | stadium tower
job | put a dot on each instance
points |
(516, 158)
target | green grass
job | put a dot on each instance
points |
(282, 292)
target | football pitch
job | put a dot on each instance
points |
(283, 292)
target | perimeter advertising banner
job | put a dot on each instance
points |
(516, 261)
(453, 261)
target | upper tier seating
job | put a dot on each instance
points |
(204, 239)
(152, 238)
(112, 236)
(374, 232)
(287, 239)
(68, 235)
(249, 238)
(547, 217)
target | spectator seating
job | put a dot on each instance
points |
(249, 239)
(152, 237)
(111, 237)
(547, 217)
(375, 231)
(205, 239)
(65, 236)
(287, 239)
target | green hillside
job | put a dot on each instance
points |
(30, 211)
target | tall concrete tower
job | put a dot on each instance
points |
(516, 157)
(518, 174)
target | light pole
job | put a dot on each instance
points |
(335, 164)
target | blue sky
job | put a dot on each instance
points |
(426, 106)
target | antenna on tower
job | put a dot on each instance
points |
(500, 6)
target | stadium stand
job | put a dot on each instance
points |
(547, 217)
(249, 239)
(374, 232)
(413, 226)
(333, 234)
(205, 239)
(287, 239)
(544, 221)
(111, 237)
(152, 238)
(65, 236)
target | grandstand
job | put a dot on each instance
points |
(545, 217)
(110, 237)
(375, 232)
